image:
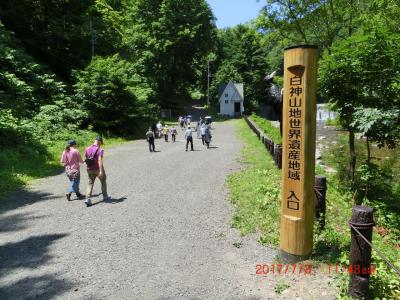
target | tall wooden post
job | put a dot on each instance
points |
(298, 152)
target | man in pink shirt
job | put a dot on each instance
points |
(71, 159)
(95, 168)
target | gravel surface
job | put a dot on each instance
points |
(165, 235)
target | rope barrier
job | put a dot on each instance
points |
(392, 266)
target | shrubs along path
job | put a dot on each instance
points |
(165, 234)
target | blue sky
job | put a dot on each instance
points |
(232, 12)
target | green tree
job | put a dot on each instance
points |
(243, 59)
(58, 32)
(311, 21)
(25, 85)
(113, 94)
(169, 40)
(361, 79)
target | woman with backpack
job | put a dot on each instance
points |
(207, 136)
(71, 159)
(95, 168)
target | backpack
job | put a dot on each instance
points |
(90, 161)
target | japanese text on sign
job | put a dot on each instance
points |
(295, 134)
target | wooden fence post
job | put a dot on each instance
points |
(320, 200)
(362, 220)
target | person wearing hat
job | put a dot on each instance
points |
(189, 138)
(207, 136)
(173, 132)
(95, 169)
(71, 159)
(150, 139)
(166, 132)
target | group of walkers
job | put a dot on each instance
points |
(72, 159)
(184, 121)
(157, 130)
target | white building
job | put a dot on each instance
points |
(231, 99)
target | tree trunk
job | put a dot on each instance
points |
(368, 151)
(352, 167)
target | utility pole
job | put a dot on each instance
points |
(208, 83)
(92, 36)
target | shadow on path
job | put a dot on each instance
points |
(39, 287)
(16, 222)
(24, 197)
(29, 253)
(111, 201)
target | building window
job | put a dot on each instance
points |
(226, 95)
(226, 101)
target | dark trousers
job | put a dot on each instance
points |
(173, 137)
(151, 145)
(189, 139)
(203, 138)
(166, 137)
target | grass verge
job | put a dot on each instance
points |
(266, 126)
(19, 166)
(255, 190)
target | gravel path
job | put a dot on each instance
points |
(165, 235)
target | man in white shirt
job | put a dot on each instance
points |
(159, 129)
(189, 138)
(203, 132)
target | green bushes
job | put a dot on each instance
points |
(375, 185)
(113, 95)
(25, 85)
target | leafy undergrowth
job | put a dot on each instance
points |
(255, 194)
(376, 186)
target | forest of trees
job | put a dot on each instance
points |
(107, 65)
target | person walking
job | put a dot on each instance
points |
(95, 168)
(198, 129)
(189, 138)
(207, 136)
(150, 139)
(154, 129)
(174, 132)
(166, 132)
(159, 129)
(71, 159)
(203, 132)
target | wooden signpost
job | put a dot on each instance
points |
(298, 152)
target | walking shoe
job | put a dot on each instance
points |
(88, 202)
(107, 199)
(80, 196)
(68, 195)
